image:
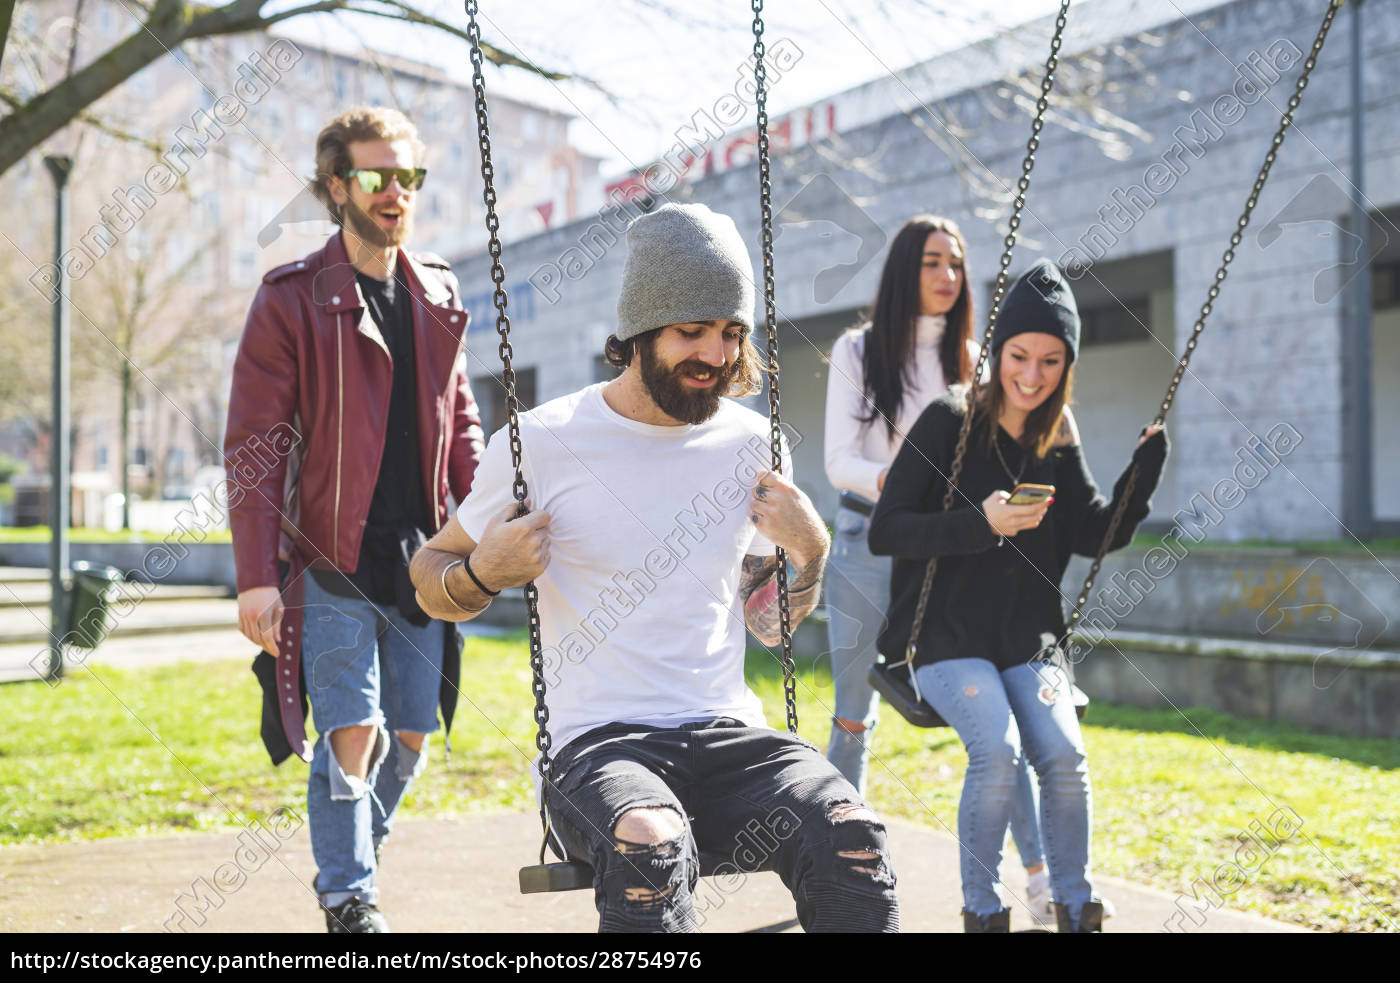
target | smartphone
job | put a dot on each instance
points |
(1029, 494)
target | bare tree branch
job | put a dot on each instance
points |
(9, 98)
(168, 25)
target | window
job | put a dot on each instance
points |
(243, 267)
(490, 393)
(1115, 322)
(530, 125)
(142, 85)
(1385, 285)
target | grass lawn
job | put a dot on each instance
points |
(1389, 544)
(121, 753)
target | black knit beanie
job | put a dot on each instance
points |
(1039, 301)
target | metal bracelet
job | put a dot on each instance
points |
(448, 594)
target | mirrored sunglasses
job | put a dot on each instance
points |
(376, 179)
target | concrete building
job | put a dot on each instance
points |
(1265, 430)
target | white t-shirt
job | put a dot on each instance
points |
(639, 607)
(857, 452)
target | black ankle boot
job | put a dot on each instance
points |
(1090, 918)
(997, 923)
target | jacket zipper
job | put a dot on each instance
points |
(339, 431)
(437, 465)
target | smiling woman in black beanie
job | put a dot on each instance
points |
(988, 644)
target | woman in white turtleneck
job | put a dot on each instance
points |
(917, 342)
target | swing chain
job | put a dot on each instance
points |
(775, 432)
(1042, 105)
(498, 276)
(1236, 237)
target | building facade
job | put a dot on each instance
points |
(1266, 439)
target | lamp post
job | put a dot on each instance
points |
(1358, 444)
(59, 168)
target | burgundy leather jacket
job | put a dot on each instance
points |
(310, 404)
(306, 424)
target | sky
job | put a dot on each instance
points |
(660, 61)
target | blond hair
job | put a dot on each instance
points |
(364, 124)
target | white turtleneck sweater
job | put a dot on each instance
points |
(856, 453)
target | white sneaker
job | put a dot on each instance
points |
(1038, 897)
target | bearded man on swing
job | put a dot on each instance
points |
(651, 541)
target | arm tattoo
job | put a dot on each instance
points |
(1062, 435)
(758, 590)
(757, 571)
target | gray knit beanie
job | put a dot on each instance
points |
(684, 263)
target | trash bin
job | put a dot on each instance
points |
(91, 593)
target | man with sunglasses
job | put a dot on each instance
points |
(350, 421)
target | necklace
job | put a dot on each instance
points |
(1015, 478)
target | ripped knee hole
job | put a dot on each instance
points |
(655, 830)
(645, 896)
(851, 812)
(861, 855)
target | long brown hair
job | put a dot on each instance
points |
(1042, 423)
(888, 359)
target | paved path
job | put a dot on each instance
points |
(452, 875)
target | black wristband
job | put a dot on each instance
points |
(467, 566)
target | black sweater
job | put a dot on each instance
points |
(996, 602)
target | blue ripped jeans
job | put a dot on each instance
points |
(1025, 712)
(857, 595)
(364, 665)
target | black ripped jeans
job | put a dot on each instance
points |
(750, 797)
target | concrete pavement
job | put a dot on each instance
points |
(455, 875)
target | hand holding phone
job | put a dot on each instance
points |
(1006, 516)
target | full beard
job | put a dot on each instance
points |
(371, 233)
(677, 400)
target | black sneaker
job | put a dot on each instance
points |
(997, 923)
(355, 917)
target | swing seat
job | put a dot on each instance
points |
(895, 684)
(576, 875)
